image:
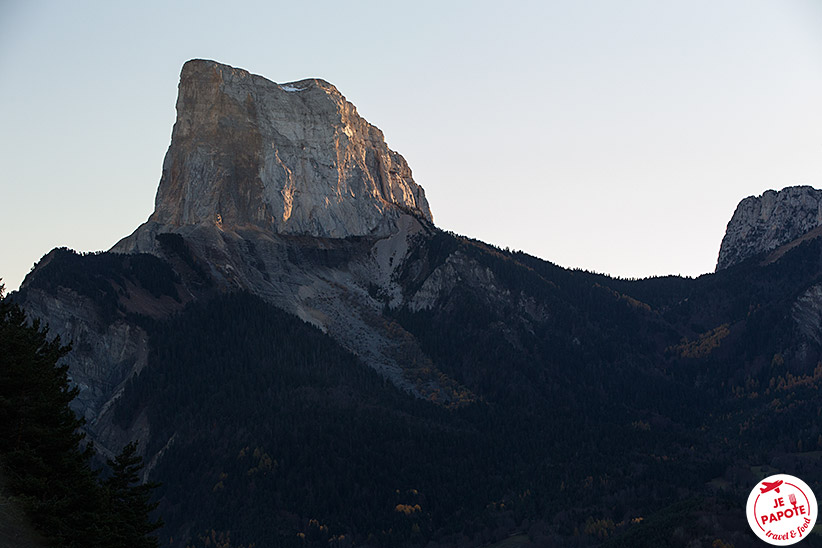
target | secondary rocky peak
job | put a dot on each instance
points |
(763, 223)
(293, 158)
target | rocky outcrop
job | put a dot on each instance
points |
(807, 313)
(104, 353)
(265, 182)
(263, 187)
(764, 223)
(457, 269)
(291, 159)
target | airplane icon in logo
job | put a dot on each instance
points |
(770, 486)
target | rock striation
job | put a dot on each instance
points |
(281, 190)
(262, 186)
(292, 159)
(764, 223)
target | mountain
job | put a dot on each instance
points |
(764, 223)
(307, 360)
(288, 159)
(272, 187)
(265, 187)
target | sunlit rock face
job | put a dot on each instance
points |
(264, 183)
(293, 159)
(763, 223)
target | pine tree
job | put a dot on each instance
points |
(42, 453)
(43, 457)
(129, 502)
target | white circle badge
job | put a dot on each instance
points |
(782, 510)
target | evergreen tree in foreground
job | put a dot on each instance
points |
(43, 459)
(129, 502)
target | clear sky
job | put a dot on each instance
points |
(615, 136)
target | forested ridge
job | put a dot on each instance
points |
(604, 411)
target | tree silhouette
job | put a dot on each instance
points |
(129, 502)
(46, 464)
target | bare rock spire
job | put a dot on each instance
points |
(293, 158)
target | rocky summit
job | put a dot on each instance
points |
(764, 223)
(280, 190)
(294, 158)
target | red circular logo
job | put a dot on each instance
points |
(782, 510)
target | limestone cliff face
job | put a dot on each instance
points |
(763, 223)
(293, 159)
(264, 182)
(261, 186)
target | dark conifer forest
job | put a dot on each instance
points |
(615, 413)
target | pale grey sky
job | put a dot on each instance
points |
(611, 136)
